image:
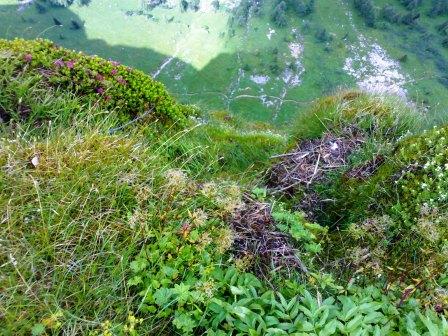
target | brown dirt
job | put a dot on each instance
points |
(256, 237)
(311, 163)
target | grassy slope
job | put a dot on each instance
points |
(83, 197)
(401, 40)
(128, 233)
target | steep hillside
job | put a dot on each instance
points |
(262, 60)
(117, 221)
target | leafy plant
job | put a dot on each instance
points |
(304, 233)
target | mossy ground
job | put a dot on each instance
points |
(386, 205)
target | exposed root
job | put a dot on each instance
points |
(256, 236)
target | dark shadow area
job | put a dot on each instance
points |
(30, 24)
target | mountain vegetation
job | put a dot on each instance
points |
(265, 60)
(137, 215)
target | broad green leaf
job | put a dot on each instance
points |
(138, 265)
(283, 301)
(236, 290)
(241, 326)
(354, 323)
(271, 321)
(134, 281)
(346, 316)
(218, 319)
(182, 291)
(373, 317)
(291, 303)
(162, 296)
(241, 312)
(330, 328)
(276, 332)
(432, 328)
(324, 317)
(306, 311)
(369, 306)
(285, 326)
(305, 326)
(184, 322)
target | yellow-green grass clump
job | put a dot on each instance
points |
(78, 206)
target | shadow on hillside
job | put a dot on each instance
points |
(207, 87)
(30, 24)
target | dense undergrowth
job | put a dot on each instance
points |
(108, 84)
(111, 228)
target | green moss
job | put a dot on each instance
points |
(313, 123)
(392, 174)
(412, 179)
(375, 123)
(410, 187)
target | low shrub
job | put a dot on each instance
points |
(337, 148)
(237, 303)
(107, 83)
(410, 188)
